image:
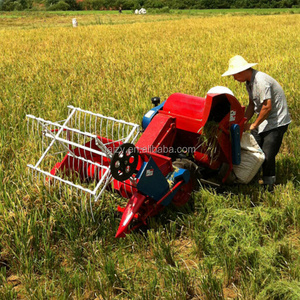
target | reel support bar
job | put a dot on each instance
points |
(56, 136)
(78, 146)
(108, 179)
(53, 136)
(101, 116)
(106, 151)
(64, 127)
(130, 134)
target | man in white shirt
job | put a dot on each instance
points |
(267, 100)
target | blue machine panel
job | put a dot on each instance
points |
(152, 182)
(235, 144)
(174, 177)
(150, 115)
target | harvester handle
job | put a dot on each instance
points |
(155, 101)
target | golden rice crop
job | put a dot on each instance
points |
(116, 69)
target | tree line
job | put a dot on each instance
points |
(164, 5)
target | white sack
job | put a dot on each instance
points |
(252, 157)
(74, 22)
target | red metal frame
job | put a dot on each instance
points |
(178, 124)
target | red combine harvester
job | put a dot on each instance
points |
(179, 135)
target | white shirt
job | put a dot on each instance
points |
(263, 87)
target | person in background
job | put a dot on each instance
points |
(267, 100)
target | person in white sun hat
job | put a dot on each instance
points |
(267, 100)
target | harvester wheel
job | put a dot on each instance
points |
(124, 162)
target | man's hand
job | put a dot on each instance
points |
(247, 126)
(264, 113)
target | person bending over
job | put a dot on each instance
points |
(267, 100)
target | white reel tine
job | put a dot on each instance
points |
(91, 209)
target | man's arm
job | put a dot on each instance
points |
(248, 114)
(250, 110)
(263, 115)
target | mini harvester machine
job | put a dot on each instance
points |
(152, 167)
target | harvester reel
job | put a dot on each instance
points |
(124, 162)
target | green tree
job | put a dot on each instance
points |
(10, 5)
(154, 4)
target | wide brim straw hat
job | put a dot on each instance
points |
(238, 64)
